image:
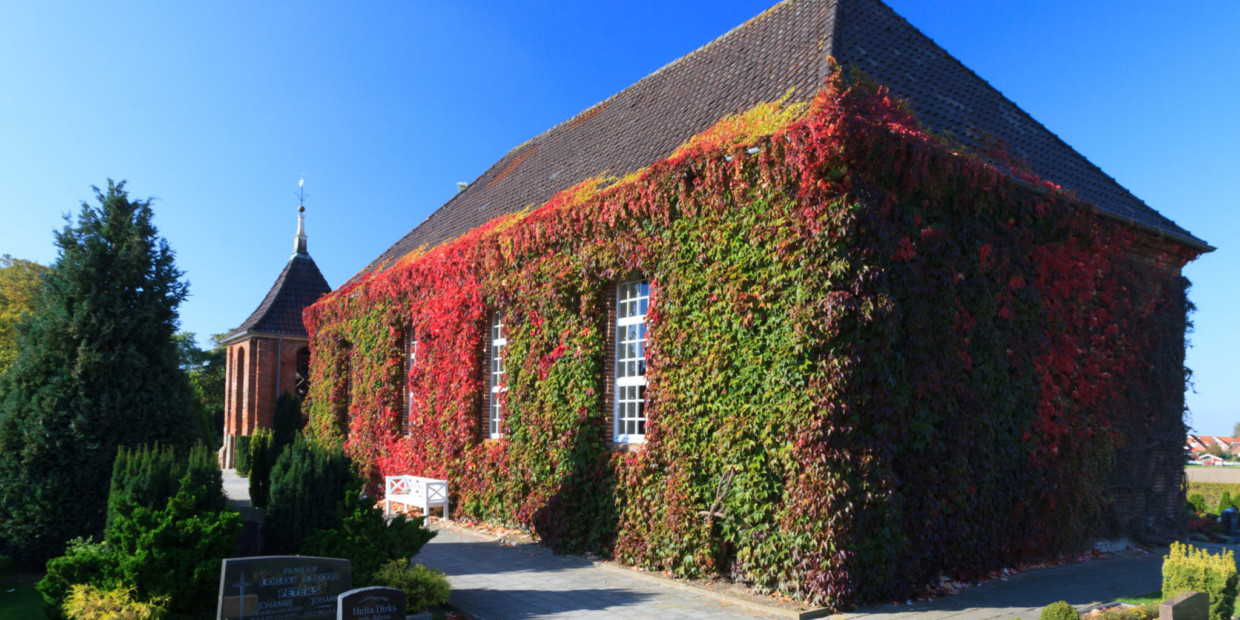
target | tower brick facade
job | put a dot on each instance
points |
(269, 353)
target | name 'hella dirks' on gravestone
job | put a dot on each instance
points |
(282, 587)
(373, 603)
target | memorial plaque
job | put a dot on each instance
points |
(285, 587)
(373, 603)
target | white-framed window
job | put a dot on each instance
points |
(632, 302)
(498, 341)
(412, 352)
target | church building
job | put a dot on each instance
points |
(814, 308)
(269, 354)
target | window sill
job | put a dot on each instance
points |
(629, 445)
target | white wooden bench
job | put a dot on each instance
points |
(425, 493)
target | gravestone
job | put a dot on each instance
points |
(373, 603)
(283, 587)
(1185, 606)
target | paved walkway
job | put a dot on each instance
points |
(1024, 595)
(490, 580)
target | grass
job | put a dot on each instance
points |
(24, 602)
(1151, 598)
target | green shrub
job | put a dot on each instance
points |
(424, 587)
(84, 562)
(175, 552)
(307, 482)
(287, 422)
(1187, 568)
(262, 457)
(1225, 502)
(149, 476)
(1059, 611)
(365, 538)
(1198, 502)
(242, 455)
(91, 603)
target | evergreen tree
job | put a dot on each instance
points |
(96, 369)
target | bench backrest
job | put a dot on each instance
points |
(433, 490)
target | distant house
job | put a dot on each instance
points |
(1199, 444)
(1209, 459)
(790, 310)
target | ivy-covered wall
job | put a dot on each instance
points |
(878, 358)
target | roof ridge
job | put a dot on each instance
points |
(826, 62)
(1020, 109)
(379, 262)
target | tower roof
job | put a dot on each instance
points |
(299, 285)
(786, 47)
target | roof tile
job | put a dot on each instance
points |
(784, 48)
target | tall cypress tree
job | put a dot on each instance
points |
(97, 369)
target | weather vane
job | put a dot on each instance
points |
(301, 193)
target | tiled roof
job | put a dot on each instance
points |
(299, 285)
(784, 48)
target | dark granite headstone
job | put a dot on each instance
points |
(284, 587)
(1186, 606)
(374, 603)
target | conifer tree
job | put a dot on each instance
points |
(96, 369)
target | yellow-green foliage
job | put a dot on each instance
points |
(423, 587)
(1059, 611)
(91, 603)
(1188, 568)
(746, 127)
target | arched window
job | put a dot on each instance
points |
(239, 401)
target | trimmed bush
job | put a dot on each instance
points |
(1198, 502)
(149, 476)
(175, 552)
(84, 562)
(262, 456)
(307, 481)
(1187, 568)
(242, 449)
(91, 603)
(1225, 502)
(423, 587)
(1059, 611)
(365, 539)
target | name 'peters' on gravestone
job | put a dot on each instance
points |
(373, 603)
(282, 587)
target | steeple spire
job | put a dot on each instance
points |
(299, 242)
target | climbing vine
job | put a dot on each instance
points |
(873, 358)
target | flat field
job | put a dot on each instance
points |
(1213, 474)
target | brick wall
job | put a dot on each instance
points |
(257, 371)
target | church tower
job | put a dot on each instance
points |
(269, 353)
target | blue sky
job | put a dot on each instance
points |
(216, 109)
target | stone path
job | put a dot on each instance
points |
(1024, 595)
(490, 580)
